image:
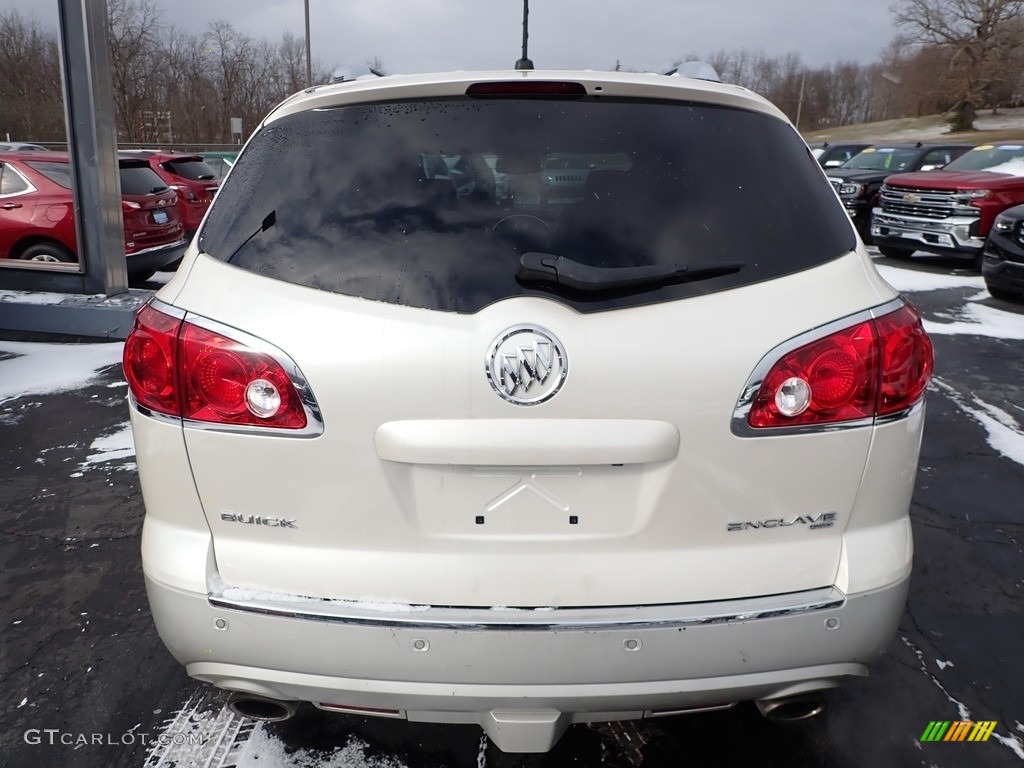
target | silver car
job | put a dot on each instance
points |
(520, 460)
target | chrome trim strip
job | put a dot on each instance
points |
(154, 248)
(913, 410)
(538, 619)
(166, 418)
(314, 420)
(167, 309)
(745, 402)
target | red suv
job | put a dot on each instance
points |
(190, 176)
(37, 213)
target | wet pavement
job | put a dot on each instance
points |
(86, 681)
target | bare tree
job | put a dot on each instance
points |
(30, 87)
(974, 33)
(134, 28)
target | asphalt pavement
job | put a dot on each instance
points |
(86, 681)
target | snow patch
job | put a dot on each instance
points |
(264, 750)
(113, 447)
(44, 369)
(943, 664)
(979, 320)
(32, 297)
(1004, 434)
(202, 733)
(1011, 742)
(911, 280)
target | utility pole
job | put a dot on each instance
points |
(309, 59)
(800, 101)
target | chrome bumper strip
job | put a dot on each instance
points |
(536, 619)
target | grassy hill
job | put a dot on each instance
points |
(1005, 125)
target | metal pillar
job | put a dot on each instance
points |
(92, 142)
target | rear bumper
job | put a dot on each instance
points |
(481, 666)
(952, 235)
(149, 260)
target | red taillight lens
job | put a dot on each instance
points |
(907, 360)
(838, 370)
(874, 368)
(150, 360)
(185, 192)
(217, 373)
(181, 369)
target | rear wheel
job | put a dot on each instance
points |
(895, 253)
(1004, 295)
(53, 253)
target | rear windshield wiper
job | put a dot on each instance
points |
(550, 269)
(268, 221)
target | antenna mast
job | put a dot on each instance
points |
(525, 63)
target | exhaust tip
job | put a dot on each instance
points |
(261, 708)
(792, 708)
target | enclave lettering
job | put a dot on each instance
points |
(824, 520)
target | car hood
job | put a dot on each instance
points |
(955, 180)
(856, 174)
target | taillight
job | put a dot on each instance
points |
(224, 381)
(907, 360)
(875, 367)
(129, 205)
(185, 192)
(150, 360)
(181, 369)
(526, 88)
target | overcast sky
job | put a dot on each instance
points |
(437, 35)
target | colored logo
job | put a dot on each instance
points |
(958, 730)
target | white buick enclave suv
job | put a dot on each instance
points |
(493, 455)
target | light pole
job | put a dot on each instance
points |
(800, 100)
(309, 60)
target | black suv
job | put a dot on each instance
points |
(858, 180)
(1003, 265)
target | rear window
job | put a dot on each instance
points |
(196, 170)
(438, 204)
(140, 180)
(58, 173)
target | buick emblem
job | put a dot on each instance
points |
(526, 365)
